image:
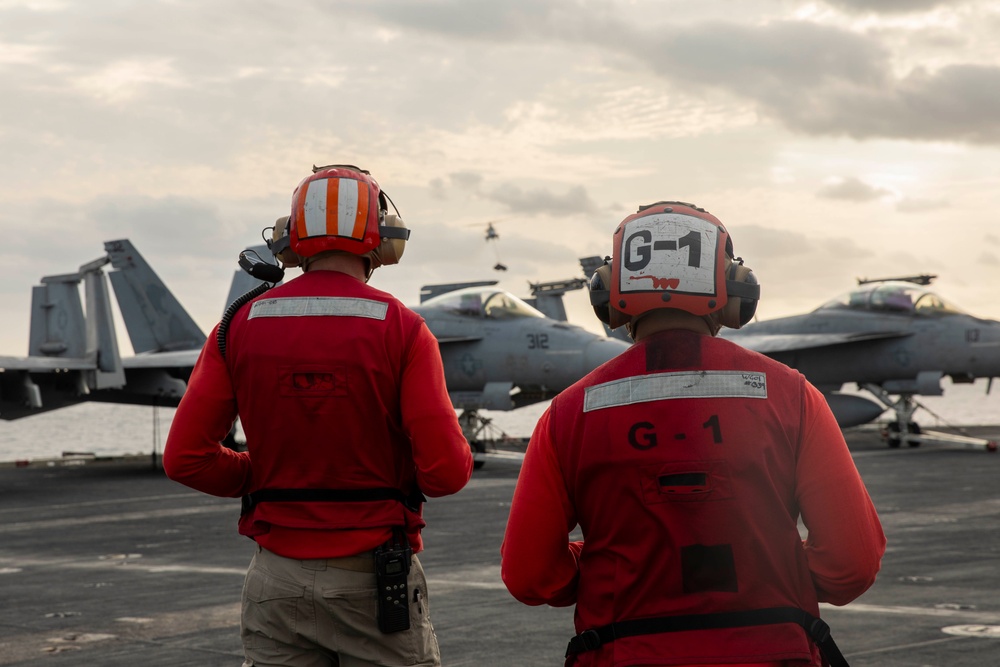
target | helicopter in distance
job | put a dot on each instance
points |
(493, 236)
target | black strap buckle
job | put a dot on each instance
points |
(819, 630)
(588, 640)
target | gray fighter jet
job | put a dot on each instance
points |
(499, 352)
(894, 338)
(73, 354)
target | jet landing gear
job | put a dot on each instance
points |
(479, 431)
(898, 432)
(894, 434)
(904, 429)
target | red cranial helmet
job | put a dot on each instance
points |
(674, 255)
(335, 208)
(341, 207)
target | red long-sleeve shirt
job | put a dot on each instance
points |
(668, 480)
(337, 386)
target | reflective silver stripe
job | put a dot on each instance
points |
(318, 306)
(664, 386)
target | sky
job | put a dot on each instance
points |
(836, 140)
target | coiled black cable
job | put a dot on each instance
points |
(220, 334)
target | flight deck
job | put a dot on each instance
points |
(109, 563)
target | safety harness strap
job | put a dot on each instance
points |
(817, 629)
(411, 502)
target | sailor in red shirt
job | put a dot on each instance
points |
(342, 397)
(687, 462)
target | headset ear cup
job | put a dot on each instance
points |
(600, 293)
(282, 234)
(600, 296)
(390, 250)
(738, 310)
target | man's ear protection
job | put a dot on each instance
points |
(600, 297)
(393, 233)
(280, 244)
(742, 292)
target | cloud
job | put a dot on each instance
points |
(769, 247)
(574, 201)
(919, 204)
(887, 6)
(956, 103)
(852, 189)
(813, 78)
(482, 19)
(824, 80)
(466, 180)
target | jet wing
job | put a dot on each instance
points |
(45, 364)
(773, 343)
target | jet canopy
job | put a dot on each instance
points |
(488, 302)
(893, 297)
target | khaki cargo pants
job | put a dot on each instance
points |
(321, 613)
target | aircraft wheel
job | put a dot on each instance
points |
(915, 430)
(892, 437)
(478, 448)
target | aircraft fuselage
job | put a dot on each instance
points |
(957, 345)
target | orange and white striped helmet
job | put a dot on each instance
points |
(339, 207)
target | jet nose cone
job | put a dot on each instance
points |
(601, 350)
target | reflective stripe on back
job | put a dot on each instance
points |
(683, 384)
(319, 306)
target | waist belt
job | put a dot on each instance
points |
(363, 562)
(816, 628)
(412, 502)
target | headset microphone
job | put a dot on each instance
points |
(260, 269)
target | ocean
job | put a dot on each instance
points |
(116, 430)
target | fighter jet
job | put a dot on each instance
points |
(74, 357)
(499, 352)
(894, 338)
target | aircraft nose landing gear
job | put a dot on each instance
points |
(480, 432)
(894, 434)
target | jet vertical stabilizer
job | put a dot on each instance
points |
(548, 297)
(58, 328)
(102, 341)
(589, 265)
(71, 354)
(154, 318)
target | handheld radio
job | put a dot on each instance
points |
(392, 565)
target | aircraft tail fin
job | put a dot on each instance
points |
(589, 265)
(71, 352)
(58, 327)
(154, 318)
